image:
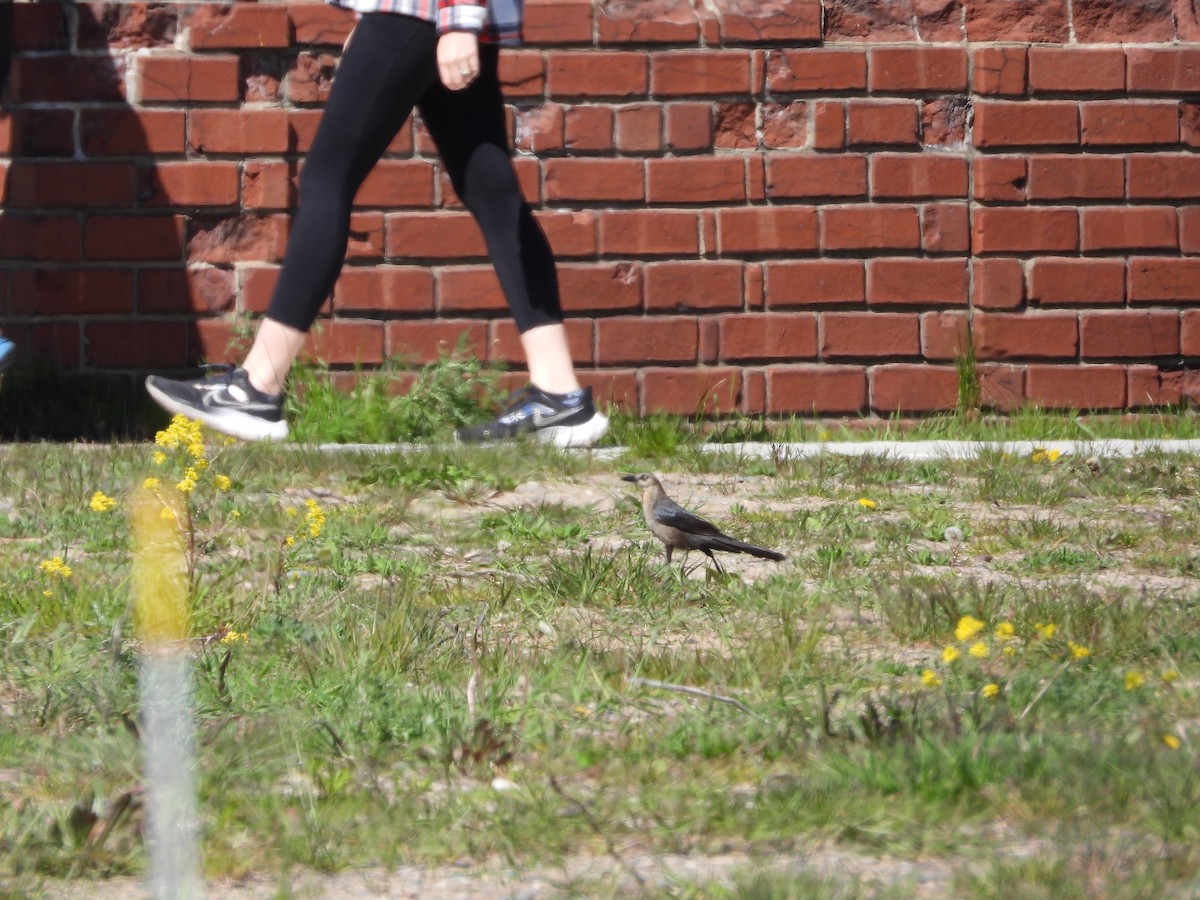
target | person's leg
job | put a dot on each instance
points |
(386, 68)
(468, 127)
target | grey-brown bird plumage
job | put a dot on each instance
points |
(679, 529)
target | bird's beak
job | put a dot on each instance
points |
(630, 478)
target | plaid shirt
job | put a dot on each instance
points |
(495, 21)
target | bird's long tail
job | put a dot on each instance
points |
(733, 545)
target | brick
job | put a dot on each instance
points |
(704, 179)
(1004, 336)
(320, 23)
(1189, 229)
(45, 186)
(913, 388)
(1163, 70)
(1000, 178)
(639, 128)
(41, 28)
(1001, 387)
(882, 122)
(868, 335)
(396, 289)
(1190, 332)
(397, 183)
(236, 239)
(857, 22)
(44, 132)
(816, 70)
(816, 390)
(691, 392)
(589, 128)
(1077, 282)
(268, 184)
(242, 132)
(1128, 334)
(680, 73)
(864, 227)
(810, 175)
(997, 283)
(754, 230)
(540, 128)
(522, 73)
(815, 282)
(637, 340)
(750, 337)
(1147, 387)
(1000, 71)
(735, 125)
(56, 343)
(463, 290)
(1128, 228)
(648, 22)
(433, 236)
(558, 22)
(175, 77)
(421, 342)
(1156, 280)
(194, 183)
(126, 238)
(687, 286)
(944, 335)
(310, 77)
(367, 239)
(258, 284)
(239, 26)
(829, 125)
(920, 69)
(897, 176)
(130, 132)
(504, 342)
(262, 79)
(1120, 122)
(1076, 387)
(944, 122)
(1164, 176)
(1003, 123)
(1072, 177)
(135, 345)
(571, 233)
(40, 237)
(644, 232)
(1102, 21)
(68, 79)
(1018, 21)
(203, 290)
(620, 74)
(594, 180)
(688, 126)
(1013, 230)
(607, 287)
(939, 21)
(338, 342)
(71, 292)
(789, 21)
(945, 228)
(925, 282)
(302, 127)
(1076, 69)
(785, 125)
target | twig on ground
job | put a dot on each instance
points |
(695, 692)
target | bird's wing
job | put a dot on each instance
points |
(668, 512)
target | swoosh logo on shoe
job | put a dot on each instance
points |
(220, 400)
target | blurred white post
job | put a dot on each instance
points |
(168, 743)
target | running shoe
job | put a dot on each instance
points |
(225, 402)
(565, 420)
(7, 353)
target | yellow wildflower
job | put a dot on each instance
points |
(315, 517)
(1046, 631)
(101, 502)
(866, 503)
(151, 484)
(950, 654)
(55, 567)
(235, 514)
(233, 637)
(1005, 631)
(159, 457)
(196, 449)
(222, 482)
(967, 628)
(1133, 681)
(1078, 651)
(292, 512)
(186, 486)
(1171, 741)
(1169, 675)
(991, 690)
(1041, 454)
(289, 540)
(929, 678)
(978, 650)
(166, 513)
(47, 593)
(1009, 651)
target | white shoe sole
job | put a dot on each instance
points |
(231, 422)
(573, 436)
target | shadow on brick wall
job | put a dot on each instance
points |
(93, 279)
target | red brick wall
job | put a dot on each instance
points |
(776, 207)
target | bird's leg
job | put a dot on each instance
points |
(670, 550)
(716, 562)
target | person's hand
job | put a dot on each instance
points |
(458, 59)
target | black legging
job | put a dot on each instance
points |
(389, 68)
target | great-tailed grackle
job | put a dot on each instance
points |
(679, 529)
